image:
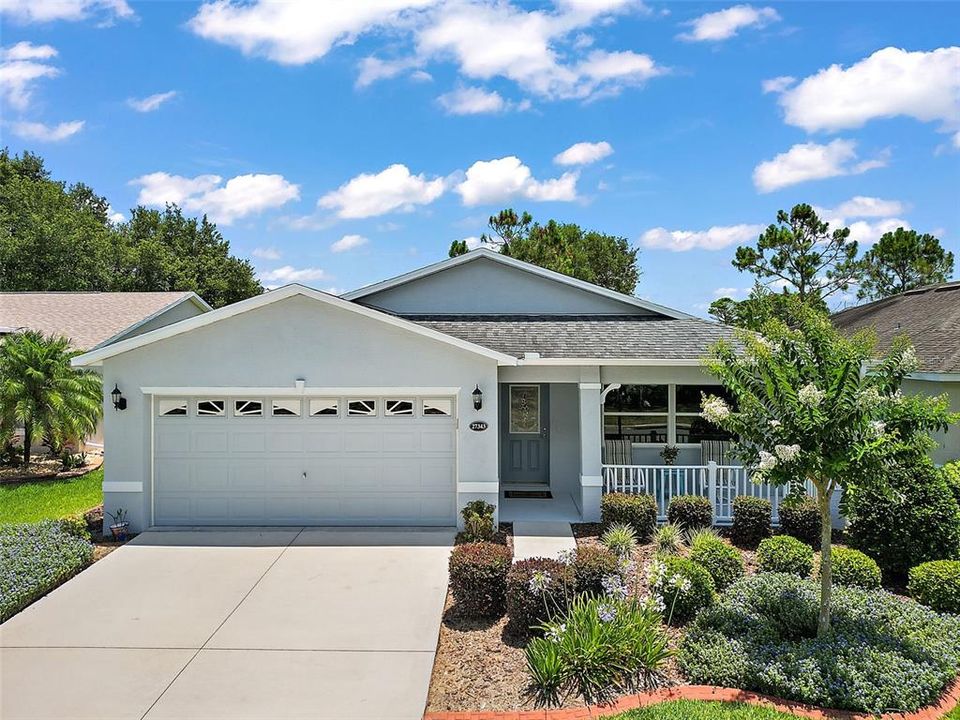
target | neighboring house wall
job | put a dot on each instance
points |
(485, 287)
(274, 345)
(184, 310)
(948, 443)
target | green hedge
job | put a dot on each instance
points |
(937, 585)
(637, 511)
(752, 520)
(785, 554)
(478, 578)
(34, 559)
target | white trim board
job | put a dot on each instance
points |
(610, 362)
(97, 356)
(306, 390)
(519, 265)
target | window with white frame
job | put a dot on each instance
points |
(211, 408)
(437, 407)
(397, 408)
(285, 407)
(363, 407)
(171, 407)
(324, 407)
(660, 414)
(690, 427)
(248, 408)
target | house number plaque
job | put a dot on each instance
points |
(478, 425)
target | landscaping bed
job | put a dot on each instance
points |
(47, 469)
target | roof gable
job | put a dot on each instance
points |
(484, 282)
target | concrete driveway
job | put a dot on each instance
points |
(235, 623)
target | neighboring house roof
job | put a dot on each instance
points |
(97, 356)
(88, 319)
(601, 337)
(488, 254)
(929, 316)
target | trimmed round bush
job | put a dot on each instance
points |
(691, 512)
(800, 518)
(538, 589)
(851, 567)
(591, 564)
(637, 511)
(752, 520)
(785, 554)
(951, 474)
(936, 584)
(478, 578)
(681, 586)
(911, 521)
(883, 654)
(718, 558)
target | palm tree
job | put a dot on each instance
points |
(42, 392)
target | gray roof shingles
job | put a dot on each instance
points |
(584, 336)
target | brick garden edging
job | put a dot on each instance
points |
(949, 700)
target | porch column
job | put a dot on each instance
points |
(591, 443)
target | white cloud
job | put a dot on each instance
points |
(777, 84)
(724, 24)
(240, 196)
(151, 102)
(348, 242)
(889, 83)
(867, 233)
(584, 153)
(39, 11)
(473, 242)
(862, 206)
(389, 190)
(491, 181)
(473, 101)
(714, 238)
(373, 69)
(46, 133)
(266, 253)
(812, 161)
(114, 216)
(731, 292)
(20, 69)
(290, 274)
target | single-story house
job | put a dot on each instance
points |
(930, 317)
(92, 319)
(478, 377)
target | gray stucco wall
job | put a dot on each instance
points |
(564, 440)
(272, 347)
(487, 287)
(948, 443)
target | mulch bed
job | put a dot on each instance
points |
(47, 470)
(103, 545)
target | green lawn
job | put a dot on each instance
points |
(695, 710)
(50, 499)
(953, 714)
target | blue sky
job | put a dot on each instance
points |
(339, 144)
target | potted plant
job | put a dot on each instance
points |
(120, 524)
(669, 454)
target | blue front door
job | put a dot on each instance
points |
(525, 433)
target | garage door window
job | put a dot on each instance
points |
(324, 407)
(438, 406)
(286, 408)
(211, 408)
(362, 408)
(248, 408)
(171, 407)
(398, 408)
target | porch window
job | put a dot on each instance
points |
(690, 427)
(660, 414)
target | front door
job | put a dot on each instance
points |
(525, 433)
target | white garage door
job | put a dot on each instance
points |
(347, 460)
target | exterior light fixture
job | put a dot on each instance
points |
(477, 398)
(119, 401)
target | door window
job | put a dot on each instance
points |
(524, 409)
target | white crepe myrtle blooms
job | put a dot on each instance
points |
(714, 410)
(774, 424)
(810, 395)
(768, 461)
(877, 427)
(787, 453)
(869, 398)
(908, 360)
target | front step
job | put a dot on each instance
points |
(535, 538)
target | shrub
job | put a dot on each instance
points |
(668, 539)
(852, 567)
(937, 585)
(785, 554)
(75, 525)
(951, 474)
(591, 564)
(800, 518)
(913, 520)
(537, 590)
(690, 511)
(620, 539)
(717, 557)
(680, 586)
(637, 511)
(884, 653)
(34, 559)
(600, 648)
(478, 578)
(477, 521)
(751, 520)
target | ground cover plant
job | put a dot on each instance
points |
(35, 558)
(883, 652)
(50, 499)
(697, 710)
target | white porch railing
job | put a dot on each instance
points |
(720, 483)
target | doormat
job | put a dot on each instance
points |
(528, 494)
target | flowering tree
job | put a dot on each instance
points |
(815, 405)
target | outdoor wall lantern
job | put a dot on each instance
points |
(477, 398)
(119, 401)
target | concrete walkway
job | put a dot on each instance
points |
(536, 538)
(239, 624)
